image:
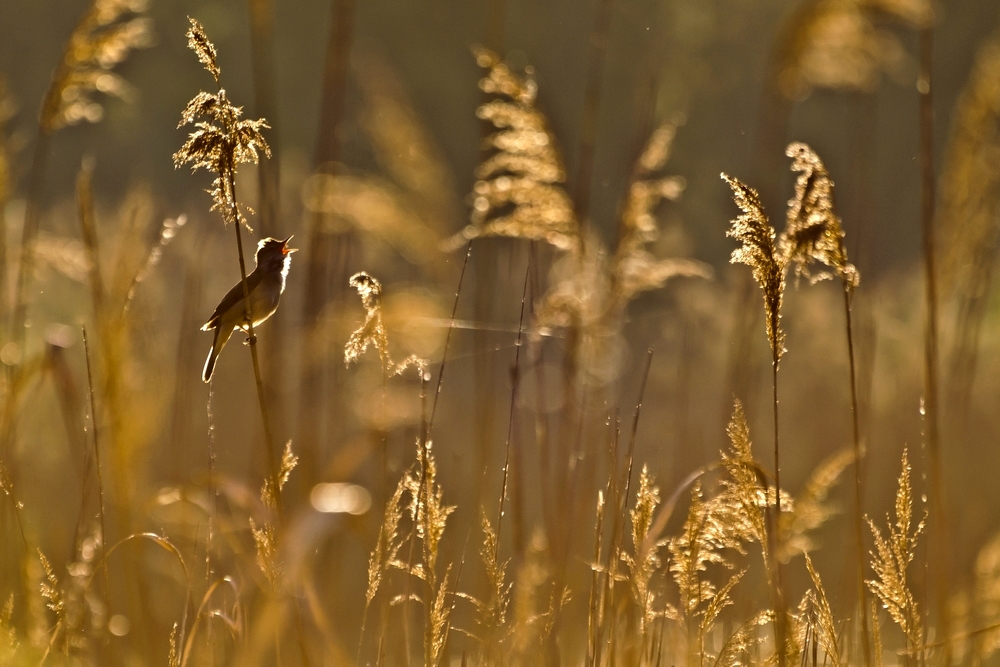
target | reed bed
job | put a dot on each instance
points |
(396, 499)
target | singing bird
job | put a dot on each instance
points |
(264, 285)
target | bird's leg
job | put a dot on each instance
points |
(251, 339)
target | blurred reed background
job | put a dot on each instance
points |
(532, 190)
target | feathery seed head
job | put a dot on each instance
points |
(373, 331)
(517, 193)
(199, 43)
(758, 251)
(222, 139)
(813, 231)
(103, 38)
(893, 554)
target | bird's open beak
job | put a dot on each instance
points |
(285, 250)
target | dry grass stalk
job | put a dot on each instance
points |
(826, 626)
(51, 592)
(710, 529)
(429, 516)
(876, 634)
(428, 512)
(593, 287)
(598, 588)
(373, 332)
(814, 233)
(222, 139)
(222, 142)
(739, 648)
(642, 568)
(387, 546)
(743, 488)
(526, 170)
(634, 269)
(102, 39)
(265, 536)
(492, 619)
(384, 554)
(107, 33)
(893, 554)
(811, 509)
(173, 655)
(759, 251)
(439, 618)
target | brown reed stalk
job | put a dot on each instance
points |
(97, 465)
(759, 251)
(515, 381)
(222, 148)
(939, 539)
(447, 343)
(814, 233)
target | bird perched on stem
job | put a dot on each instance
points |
(264, 286)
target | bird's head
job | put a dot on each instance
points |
(274, 255)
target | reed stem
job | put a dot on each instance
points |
(938, 542)
(781, 620)
(97, 464)
(858, 491)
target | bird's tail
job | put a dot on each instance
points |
(213, 354)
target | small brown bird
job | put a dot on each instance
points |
(264, 285)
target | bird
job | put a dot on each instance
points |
(264, 285)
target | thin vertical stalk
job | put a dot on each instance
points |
(97, 464)
(931, 418)
(447, 343)
(781, 620)
(858, 491)
(515, 381)
(261, 13)
(212, 512)
(272, 461)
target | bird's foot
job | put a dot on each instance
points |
(251, 340)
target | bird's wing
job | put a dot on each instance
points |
(233, 296)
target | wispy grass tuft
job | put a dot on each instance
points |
(893, 554)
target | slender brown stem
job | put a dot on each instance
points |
(212, 512)
(781, 621)
(447, 342)
(97, 464)
(515, 378)
(858, 493)
(252, 341)
(938, 545)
